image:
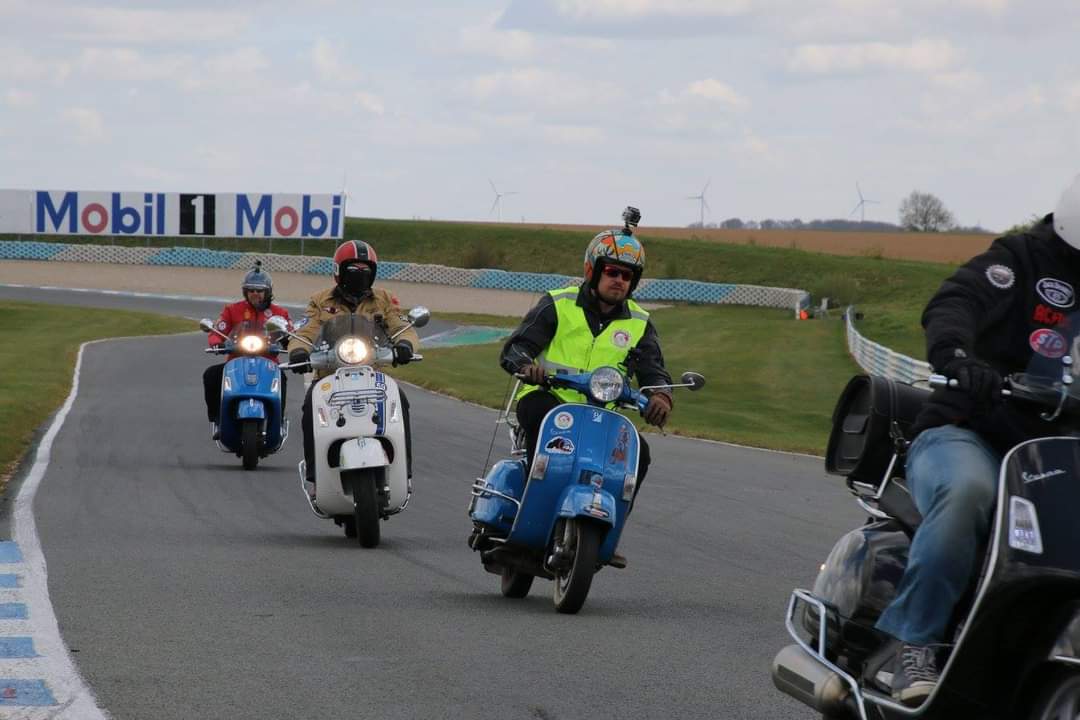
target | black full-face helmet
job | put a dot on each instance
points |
(258, 279)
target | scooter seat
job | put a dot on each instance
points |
(896, 500)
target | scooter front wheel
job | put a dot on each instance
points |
(515, 584)
(1058, 697)
(365, 505)
(572, 586)
(249, 443)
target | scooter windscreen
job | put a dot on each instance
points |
(353, 338)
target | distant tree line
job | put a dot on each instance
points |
(919, 212)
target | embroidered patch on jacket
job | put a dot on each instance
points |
(1048, 343)
(1056, 292)
(620, 339)
(1001, 276)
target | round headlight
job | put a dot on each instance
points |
(352, 351)
(606, 384)
(252, 344)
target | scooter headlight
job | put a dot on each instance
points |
(252, 344)
(606, 384)
(352, 351)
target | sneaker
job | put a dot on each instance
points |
(915, 674)
(215, 431)
(617, 561)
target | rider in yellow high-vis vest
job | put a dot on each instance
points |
(586, 327)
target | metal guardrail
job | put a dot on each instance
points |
(877, 359)
(650, 290)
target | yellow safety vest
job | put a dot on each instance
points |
(574, 349)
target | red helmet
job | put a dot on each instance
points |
(355, 265)
(354, 251)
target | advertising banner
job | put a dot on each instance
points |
(260, 215)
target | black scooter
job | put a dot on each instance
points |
(1016, 637)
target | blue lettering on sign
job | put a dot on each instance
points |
(125, 219)
(307, 226)
(244, 212)
(68, 209)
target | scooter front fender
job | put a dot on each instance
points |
(250, 409)
(587, 501)
(363, 452)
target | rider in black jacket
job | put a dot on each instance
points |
(1006, 310)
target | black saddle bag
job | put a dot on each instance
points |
(872, 417)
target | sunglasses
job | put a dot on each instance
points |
(617, 272)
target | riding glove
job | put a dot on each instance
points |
(657, 411)
(979, 380)
(402, 353)
(299, 355)
(532, 374)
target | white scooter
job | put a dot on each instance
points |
(361, 473)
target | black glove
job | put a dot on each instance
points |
(980, 381)
(657, 411)
(299, 355)
(402, 353)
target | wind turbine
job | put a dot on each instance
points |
(704, 202)
(861, 207)
(497, 205)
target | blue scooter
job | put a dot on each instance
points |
(562, 518)
(250, 420)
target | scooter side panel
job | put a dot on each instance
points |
(576, 443)
(507, 477)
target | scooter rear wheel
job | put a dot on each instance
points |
(249, 444)
(572, 588)
(515, 584)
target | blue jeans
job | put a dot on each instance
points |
(952, 474)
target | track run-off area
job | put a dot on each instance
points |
(184, 587)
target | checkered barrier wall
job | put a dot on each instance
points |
(877, 359)
(649, 290)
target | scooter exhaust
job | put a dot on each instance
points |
(797, 673)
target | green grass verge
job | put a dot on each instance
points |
(770, 381)
(37, 362)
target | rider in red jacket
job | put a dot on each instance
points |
(252, 313)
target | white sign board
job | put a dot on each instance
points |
(67, 212)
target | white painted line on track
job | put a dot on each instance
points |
(137, 294)
(74, 697)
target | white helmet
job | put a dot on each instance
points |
(1067, 214)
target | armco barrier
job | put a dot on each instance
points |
(877, 359)
(648, 290)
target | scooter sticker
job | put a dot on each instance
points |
(564, 421)
(560, 446)
(325, 387)
(622, 445)
(1048, 343)
(597, 416)
(1032, 477)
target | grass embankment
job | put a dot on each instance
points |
(37, 362)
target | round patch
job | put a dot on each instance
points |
(221, 325)
(325, 387)
(1001, 276)
(268, 313)
(564, 421)
(1056, 292)
(620, 339)
(1048, 343)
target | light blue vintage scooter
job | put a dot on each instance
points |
(250, 420)
(562, 519)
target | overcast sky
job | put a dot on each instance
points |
(581, 106)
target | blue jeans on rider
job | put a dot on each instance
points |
(952, 474)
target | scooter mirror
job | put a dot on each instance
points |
(206, 325)
(696, 381)
(419, 316)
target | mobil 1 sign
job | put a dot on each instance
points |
(264, 215)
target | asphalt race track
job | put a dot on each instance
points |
(189, 588)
